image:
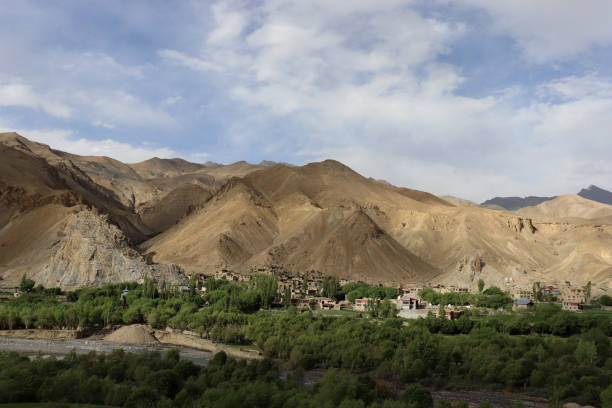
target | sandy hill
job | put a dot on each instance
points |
(461, 202)
(157, 167)
(73, 221)
(568, 207)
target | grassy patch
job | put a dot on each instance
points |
(599, 312)
(350, 313)
(244, 346)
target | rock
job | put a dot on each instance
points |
(93, 252)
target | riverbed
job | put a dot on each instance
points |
(62, 347)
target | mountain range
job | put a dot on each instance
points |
(71, 221)
(592, 192)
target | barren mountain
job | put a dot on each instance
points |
(514, 203)
(596, 194)
(60, 227)
(69, 220)
(462, 202)
(568, 207)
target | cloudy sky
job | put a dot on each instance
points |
(474, 98)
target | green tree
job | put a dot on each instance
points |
(26, 284)
(267, 286)
(193, 280)
(304, 286)
(287, 298)
(331, 287)
(481, 284)
(588, 292)
(586, 351)
(606, 397)
(387, 309)
(417, 396)
(605, 300)
(537, 291)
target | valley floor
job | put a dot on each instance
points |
(36, 345)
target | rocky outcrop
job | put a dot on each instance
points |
(93, 252)
(470, 267)
(521, 224)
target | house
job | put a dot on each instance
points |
(361, 304)
(441, 289)
(573, 294)
(551, 290)
(459, 290)
(407, 303)
(412, 292)
(300, 303)
(345, 305)
(453, 314)
(326, 303)
(523, 303)
(520, 293)
(571, 306)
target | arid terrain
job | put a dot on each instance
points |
(72, 221)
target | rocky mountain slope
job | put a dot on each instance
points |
(71, 221)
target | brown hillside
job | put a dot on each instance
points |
(173, 206)
(60, 227)
(73, 221)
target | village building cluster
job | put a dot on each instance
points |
(305, 288)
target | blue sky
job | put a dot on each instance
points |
(474, 98)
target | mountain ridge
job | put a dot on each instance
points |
(74, 220)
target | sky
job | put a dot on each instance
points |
(473, 98)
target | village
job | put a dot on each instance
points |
(305, 293)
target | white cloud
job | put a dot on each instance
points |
(377, 84)
(66, 140)
(18, 93)
(123, 108)
(551, 29)
(98, 105)
(364, 84)
(196, 64)
(172, 100)
(229, 23)
(99, 64)
(103, 124)
(198, 157)
(578, 87)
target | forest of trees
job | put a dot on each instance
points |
(549, 352)
(492, 298)
(152, 380)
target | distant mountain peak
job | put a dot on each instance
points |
(515, 203)
(595, 193)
